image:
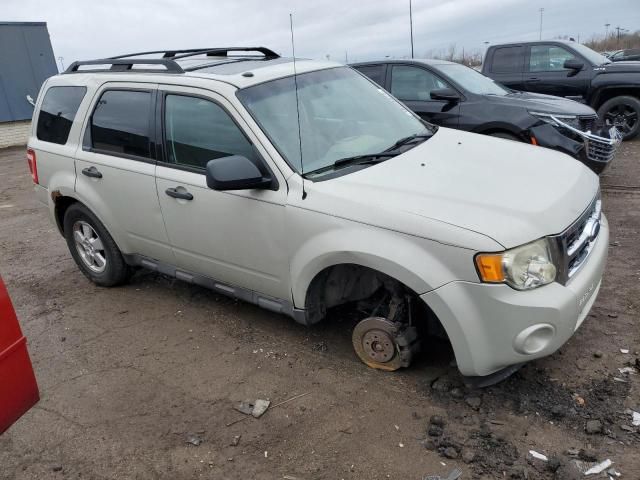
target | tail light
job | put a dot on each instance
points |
(33, 167)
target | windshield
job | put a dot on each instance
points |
(471, 80)
(342, 115)
(593, 57)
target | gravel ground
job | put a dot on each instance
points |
(130, 375)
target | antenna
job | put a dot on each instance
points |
(295, 80)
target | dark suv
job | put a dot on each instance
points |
(455, 96)
(627, 55)
(571, 70)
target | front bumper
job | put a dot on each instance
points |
(494, 326)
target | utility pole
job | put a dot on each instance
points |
(619, 30)
(411, 27)
(541, 12)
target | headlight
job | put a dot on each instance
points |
(522, 268)
(571, 120)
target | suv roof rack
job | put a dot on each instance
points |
(121, 65)
(124, 63)
(210, 52)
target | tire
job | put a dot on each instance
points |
(624, 113)
(505, 135)
(92, 248)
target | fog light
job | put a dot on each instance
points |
(534, 339)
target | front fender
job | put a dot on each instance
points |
(604, 87)
(422, 265)
(548, 136)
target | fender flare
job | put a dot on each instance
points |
(384, 251)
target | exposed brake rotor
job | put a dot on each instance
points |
(383, 344)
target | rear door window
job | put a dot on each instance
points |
(507, 60)
(121, 123)
(374, 72)
(57, 113)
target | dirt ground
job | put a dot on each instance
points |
(128, 376)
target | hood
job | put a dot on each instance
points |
(620, 67)
(537, 102)
(458, 182)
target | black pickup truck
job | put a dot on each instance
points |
(569, 69)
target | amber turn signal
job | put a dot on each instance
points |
(490, 267)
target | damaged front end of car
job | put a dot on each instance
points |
(593, 144)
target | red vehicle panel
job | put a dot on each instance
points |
(18, 387)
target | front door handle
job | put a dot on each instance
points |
(533, 79)
(175, 193)
(92, 172)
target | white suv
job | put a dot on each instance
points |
(304, 186)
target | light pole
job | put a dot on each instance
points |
(619, 31)
(411, 27)
(541, 12)
(606, 31)
(61, 60)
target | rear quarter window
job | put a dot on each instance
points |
(57, 113)
(374, 72)
(507, 60)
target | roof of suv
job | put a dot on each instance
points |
(238, 70)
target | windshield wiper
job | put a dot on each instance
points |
(362, 159)
(371, 158)
(409, 139)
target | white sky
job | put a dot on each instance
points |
(85, 29)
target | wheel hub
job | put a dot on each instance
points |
(383, 344)
(379, 345)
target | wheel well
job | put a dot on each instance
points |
(62, 203)
(491, 131)
(356, 284)
(609, 93)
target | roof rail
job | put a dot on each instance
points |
(118, 65)
(210, 52)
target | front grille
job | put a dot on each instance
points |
(573, 246)
(587, 123)
(603, 149)
(598, 148)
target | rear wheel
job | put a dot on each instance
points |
(92, 248)
(623, 113)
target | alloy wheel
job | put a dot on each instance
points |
(89, 246)
(623, 117)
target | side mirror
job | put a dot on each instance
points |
(574, 66)
(446, 94)
(235, 173)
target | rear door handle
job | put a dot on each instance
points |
(175, 193)
(533, 79)
(91, 172)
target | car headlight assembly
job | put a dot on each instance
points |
(523, 268)
(571, 120)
